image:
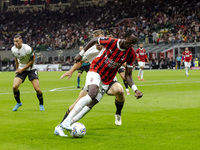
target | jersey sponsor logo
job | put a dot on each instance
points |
(111, 63)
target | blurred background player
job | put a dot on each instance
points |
(178, 61)
(187, 57)
(141, 56)
(24, 59)
(85, 67)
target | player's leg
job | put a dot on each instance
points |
(117, 90)
(102, 89)
(16, 92)
(93, 87)
(84, 111)
(36, 86)
(81, 94)
(122, 74)
(186, 68)
(139, 72)
(142, 74)
(79, 78)
(33, 77)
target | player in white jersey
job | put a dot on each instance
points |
(115, 88)
(24, 59)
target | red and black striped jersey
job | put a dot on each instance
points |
(111, 59)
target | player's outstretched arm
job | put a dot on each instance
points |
(129, 79)
(71, 71)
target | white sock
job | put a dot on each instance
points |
(80, 115)
(187, 69)
(77, 108)
(139, 73)
(142, 73)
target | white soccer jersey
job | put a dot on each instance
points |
(23, 55)
(92, 53)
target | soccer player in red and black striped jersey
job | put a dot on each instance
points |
(104, 68)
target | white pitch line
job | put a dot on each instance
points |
(57, 89)
(69, 88)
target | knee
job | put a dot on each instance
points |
(92, 94)
(37, 89)
(119, 91)
(93, 91)
(15, 87)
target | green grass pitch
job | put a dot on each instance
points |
(166, 117)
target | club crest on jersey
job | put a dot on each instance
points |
(122, 58)
(91, 80)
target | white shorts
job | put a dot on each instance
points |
(141, 64)
(187, 64)
(94, 78)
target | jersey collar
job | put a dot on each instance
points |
(119, 47)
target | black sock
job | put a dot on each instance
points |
(119, 106)
(17, 96)
(40, 98)
(125, 83)
(67, 113)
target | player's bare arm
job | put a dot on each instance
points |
(17, 63)
(89, 45)
(30, 63)
(129, 79)
(71, 71)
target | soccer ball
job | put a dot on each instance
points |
(78, 130)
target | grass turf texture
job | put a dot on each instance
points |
(167, 117)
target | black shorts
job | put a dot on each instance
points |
(120, 70)
(32, 74)
(83, 68)
(110, 86)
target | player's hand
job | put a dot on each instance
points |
(68, 73)
(138, 94)
(18, 71)
(78, 58)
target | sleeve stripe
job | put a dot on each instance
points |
(99, 40)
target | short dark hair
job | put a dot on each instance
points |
(18, 36)
(128, 33)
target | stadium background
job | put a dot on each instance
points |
(55, 28)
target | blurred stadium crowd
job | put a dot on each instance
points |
(154, 21)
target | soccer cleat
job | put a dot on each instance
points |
(59, 131)
(41, 107)
(17, 106)
(138, 77)
(141, 79)
(118, 120)
(66, 125)
(78, 87)
(186, 74)
(127, 92)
